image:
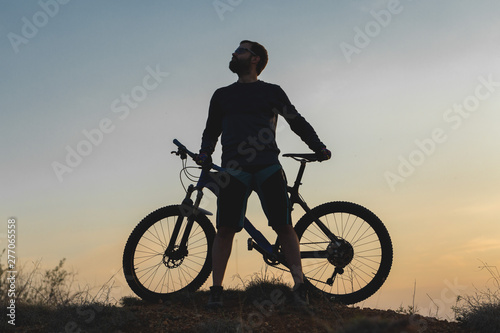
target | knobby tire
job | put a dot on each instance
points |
(144, 266)
(372, 248)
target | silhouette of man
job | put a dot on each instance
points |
(245, 115)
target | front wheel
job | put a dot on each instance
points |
(154, 273)
(355, 266)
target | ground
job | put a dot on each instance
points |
(275, 314)
(258, 309)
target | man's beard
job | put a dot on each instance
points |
(239, 66)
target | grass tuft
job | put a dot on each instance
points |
(50, 301)
(263, 284)
(481, 311)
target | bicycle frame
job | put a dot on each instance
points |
(169, 251)
(213, 181)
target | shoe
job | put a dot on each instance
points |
(300, 295)
(215, 299)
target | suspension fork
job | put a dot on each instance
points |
(189, 211)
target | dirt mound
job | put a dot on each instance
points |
(242, 313)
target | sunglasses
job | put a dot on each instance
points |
(241, 50)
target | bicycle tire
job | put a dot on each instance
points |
(371, 257)
(145, 269)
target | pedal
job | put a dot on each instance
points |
(250, 244)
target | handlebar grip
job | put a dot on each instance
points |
(180, 145)
(183, 148)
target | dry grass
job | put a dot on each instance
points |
(49, 300)
(481, 311)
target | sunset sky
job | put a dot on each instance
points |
(405, 93)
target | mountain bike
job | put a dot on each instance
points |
(346, 250)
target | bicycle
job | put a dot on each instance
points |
(346, 250)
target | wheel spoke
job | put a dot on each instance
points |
(152, 273)
(362, 251)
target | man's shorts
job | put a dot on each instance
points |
(268, 182)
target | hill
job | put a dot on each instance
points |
(264, 308)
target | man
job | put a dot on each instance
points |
(245, 114)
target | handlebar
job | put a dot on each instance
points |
(298, 157)
(184, 151)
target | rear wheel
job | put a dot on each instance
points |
(353, 269)
(154, 274)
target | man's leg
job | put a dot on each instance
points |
(272, 189)
(291, 248)
(290, 245)
(221, 251)
(231, 207)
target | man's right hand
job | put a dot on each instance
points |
(203, 160)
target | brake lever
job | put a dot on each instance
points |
(180, 153)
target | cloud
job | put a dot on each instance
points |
(480, 245)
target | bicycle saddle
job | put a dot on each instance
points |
(308, 157)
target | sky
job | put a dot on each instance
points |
(404, 93)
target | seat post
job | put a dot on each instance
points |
(297, 182)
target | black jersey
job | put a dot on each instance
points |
(246, 115)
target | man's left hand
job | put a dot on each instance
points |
(323, 154)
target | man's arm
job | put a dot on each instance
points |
(213, 128)
(298, 124)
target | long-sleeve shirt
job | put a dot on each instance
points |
(246, 115)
